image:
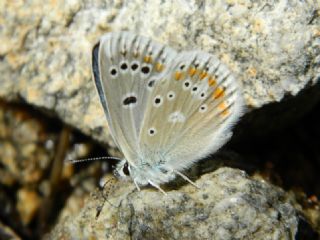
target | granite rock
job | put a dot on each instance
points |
(228, 205)
(29, 178)
(272, 47)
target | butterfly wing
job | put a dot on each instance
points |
(125, 67)
(190, 112)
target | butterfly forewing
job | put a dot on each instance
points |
(126, 68)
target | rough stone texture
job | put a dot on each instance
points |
(28, 144)
(21, 136)
(273, 47)
(26, 150)
(229, 205)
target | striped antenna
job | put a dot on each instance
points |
(72, 161)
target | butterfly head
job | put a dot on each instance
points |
(123, 170)
(144, 173)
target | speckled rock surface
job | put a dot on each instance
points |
(22, 135)
(45, 50)
(274, 48)
(28, 148)
(229, 205)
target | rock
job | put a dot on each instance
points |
(229, 205)
(22, 136)
(28, 142)
(45, 51)
(7, 233)
(274, 49)
(28, 203)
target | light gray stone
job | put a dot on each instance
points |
(229, 205)
(272, 47)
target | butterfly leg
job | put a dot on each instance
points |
(137, 186)
(186, 178)
(157, 187)
(110, 185)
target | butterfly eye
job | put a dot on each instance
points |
(125, 169)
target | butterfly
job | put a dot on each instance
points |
(165, 109)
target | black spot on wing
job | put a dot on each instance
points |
(130, 100)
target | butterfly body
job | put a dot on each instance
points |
(165, 110)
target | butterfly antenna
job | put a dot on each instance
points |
(72, 161)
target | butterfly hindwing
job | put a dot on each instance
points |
(199, 102)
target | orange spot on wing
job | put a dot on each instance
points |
(178, 75)
(219, 92)
(212, 81)
(192, 71)
(203, 75)
(159, 67)
(222, 106)
(147, 59)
